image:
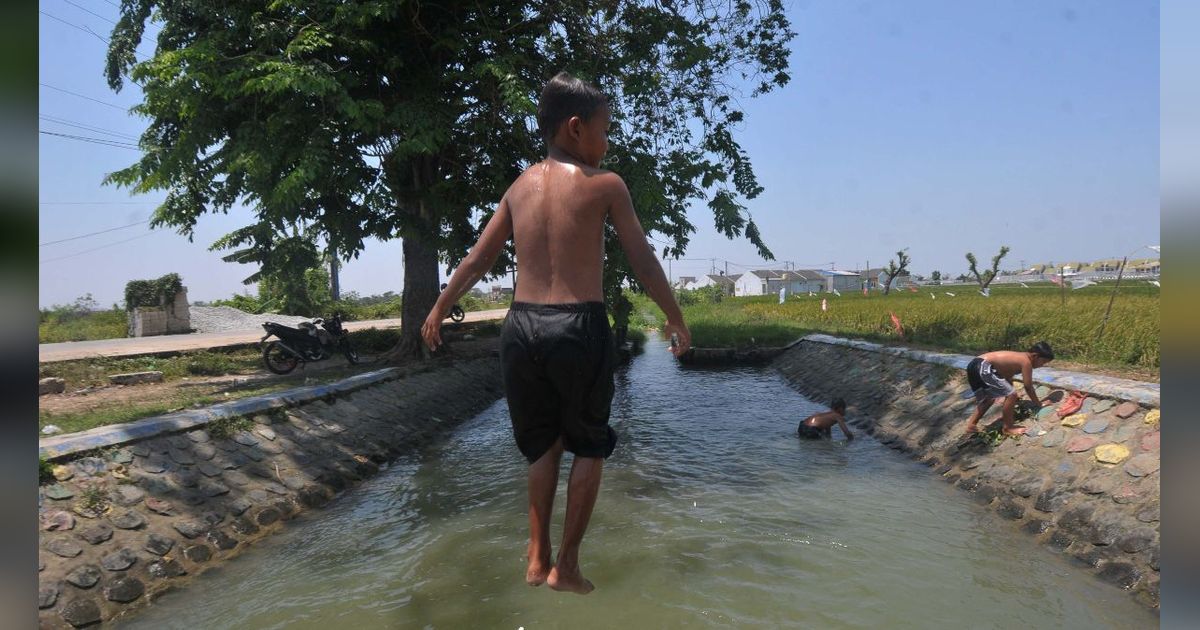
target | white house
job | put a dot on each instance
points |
(756, 282)
(685, 282)
(842, 280)
(770, 281)
(711, 279)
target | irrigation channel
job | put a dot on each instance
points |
(711, 514)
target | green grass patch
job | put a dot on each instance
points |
(1012, 318)
(95, 371)
(60, 325)
(71, 422)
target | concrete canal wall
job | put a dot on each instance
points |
(150, 504)
(1086, 485)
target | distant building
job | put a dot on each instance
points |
(727, 282)
(770, 281)
(685, 282)
(836, 280)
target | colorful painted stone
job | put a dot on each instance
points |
(1054, 438)
(1046, 412)
(1152, 416)
(1102, 405)
(58, 492)
(1124, 433)
(1142, 465)
(62, 473)
(1081, 443)
(1126, 494)
(1095, 425)
(56, 520)
(1111, 454)
(1150, 442)
(1075, 420)
(1126, 409)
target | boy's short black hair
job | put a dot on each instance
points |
(838, 403)
(563, 97)
(1042, 349)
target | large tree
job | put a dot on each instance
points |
(400, 119)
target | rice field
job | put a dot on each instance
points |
(967, 322)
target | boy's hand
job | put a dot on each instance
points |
(682, 335)
(431, 330)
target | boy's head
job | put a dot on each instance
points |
(573, 115)
(1042, 353)
(838, 405)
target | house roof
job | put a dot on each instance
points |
(803, 274)
(718, 278)
(837, 272)
(766, 273)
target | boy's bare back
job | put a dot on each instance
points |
(1008, 363)
(558, 210)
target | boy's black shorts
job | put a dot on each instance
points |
(558, 362)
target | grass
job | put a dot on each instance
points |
(56, 325)
(1013, 317)
(71, 422)
(94, 372)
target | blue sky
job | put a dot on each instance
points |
(940, 126)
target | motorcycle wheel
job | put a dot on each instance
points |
(351, 353)
(457, 314)
(278, 359)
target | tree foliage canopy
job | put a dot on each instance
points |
(985, 278)
(386, 118)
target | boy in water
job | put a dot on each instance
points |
(820, 425)
(991, 375)
(556, 348)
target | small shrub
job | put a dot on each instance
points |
(226, 428)
(93, 496)
(45, 470)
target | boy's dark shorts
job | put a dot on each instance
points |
(558, 362)
(811, 433)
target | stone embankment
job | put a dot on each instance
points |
(121, 523)
(1086, 485)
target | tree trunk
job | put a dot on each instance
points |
(420, 294)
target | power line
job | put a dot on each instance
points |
(89, 32)
(65, 91)
(71, 123)
(100, 141)
(81, 8)
(88, 251)
(75, 238)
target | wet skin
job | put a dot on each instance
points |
(555, 212)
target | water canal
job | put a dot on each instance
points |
(711, 515)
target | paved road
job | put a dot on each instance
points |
(72, 350)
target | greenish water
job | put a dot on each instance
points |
(712, 514)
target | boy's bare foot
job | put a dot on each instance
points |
(971, 428)
(569, 581)
(1015, 431)
(537, 572)
(539, 567)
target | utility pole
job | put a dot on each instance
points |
(727, 267)
(335, 287)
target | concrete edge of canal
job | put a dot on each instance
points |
(144, 510)
(1086, 485)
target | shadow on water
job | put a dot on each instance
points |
(712, 514)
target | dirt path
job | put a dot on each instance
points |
(74, 350)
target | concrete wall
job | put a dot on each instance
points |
(174, 318)
(1088, 486)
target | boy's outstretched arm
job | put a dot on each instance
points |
(845, 429)
(477, 263)
(1027, 381)
(645, 266)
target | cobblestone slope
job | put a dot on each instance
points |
(1086, 485)
(121, 524)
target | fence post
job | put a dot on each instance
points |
(1112, 297)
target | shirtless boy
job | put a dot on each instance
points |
(556, 348)
(991, 375)
(820, 425)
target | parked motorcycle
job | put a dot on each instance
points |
(309, 341)
(457, 314)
